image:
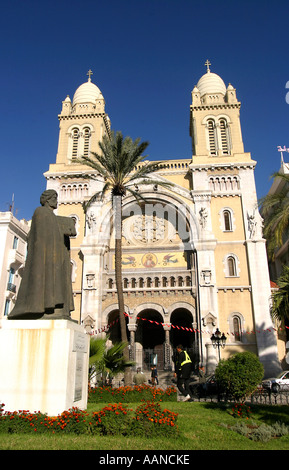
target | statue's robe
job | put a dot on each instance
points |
(46, 290)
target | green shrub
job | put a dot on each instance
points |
(239, 375)
(262, 432)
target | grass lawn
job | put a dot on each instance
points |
(201, 428)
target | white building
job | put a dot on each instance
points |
(13, 247)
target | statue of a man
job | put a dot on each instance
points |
(46, 291)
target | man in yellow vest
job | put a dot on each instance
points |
(183, 373)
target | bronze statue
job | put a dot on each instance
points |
(46, 291)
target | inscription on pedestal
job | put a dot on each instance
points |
(78, 377)
(80, 347)
(79, 342)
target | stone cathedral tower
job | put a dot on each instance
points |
(193, 257)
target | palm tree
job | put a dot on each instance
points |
(280, 298)
(122, 167)
(275, 211)
(106, 362)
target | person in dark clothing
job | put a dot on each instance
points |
(183, 372)
(154, 376)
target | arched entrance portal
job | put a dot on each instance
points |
(181, 333)
(114, 327)
(150, 339)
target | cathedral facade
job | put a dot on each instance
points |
(193, 259)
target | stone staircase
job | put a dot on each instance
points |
(166, 379)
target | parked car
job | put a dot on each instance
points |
(277, 384)
(206, 387)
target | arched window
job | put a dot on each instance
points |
(231, 263)
(125, 283)
(237, 328)
(149, 282)
(133, 283)
(110, 283)
(86, 135)
(165, 282)
(212, 137)
(227, 220)
(141, 282)
(172, 282)
(75, 137)
(224, 135)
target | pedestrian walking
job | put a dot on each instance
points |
(183, 373)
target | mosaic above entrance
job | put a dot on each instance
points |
(154, 260)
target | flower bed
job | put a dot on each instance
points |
(133, 394)
(113, 419)
(241, 410)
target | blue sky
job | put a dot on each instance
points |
(146, 57)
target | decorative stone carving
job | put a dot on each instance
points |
(255, 224)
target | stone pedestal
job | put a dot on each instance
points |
(44, 365)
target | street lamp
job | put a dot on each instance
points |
(218, 340)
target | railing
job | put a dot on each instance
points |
(179, 280)
(182, 164)
(260, 397)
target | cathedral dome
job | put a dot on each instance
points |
(211, 83)
(87, 93)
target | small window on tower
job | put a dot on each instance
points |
(87, 135)
(212, 137)
(227, 221)
(237, 328)
(224, 131)
(231, 263)
(75, 137)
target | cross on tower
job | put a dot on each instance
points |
(208, 63)
(89, 73)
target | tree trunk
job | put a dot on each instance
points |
(117, 208)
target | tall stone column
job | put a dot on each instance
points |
(92, 283)
(132, 329)
(261, 294)
(205, 259)
(211, 359)
(167, 346)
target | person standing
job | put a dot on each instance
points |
(183, 372)
(139, 377)
(154, 376)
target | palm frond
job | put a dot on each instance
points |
(280, 298)
(275, 212)
(99, 195)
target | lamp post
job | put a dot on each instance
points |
(218, 340)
